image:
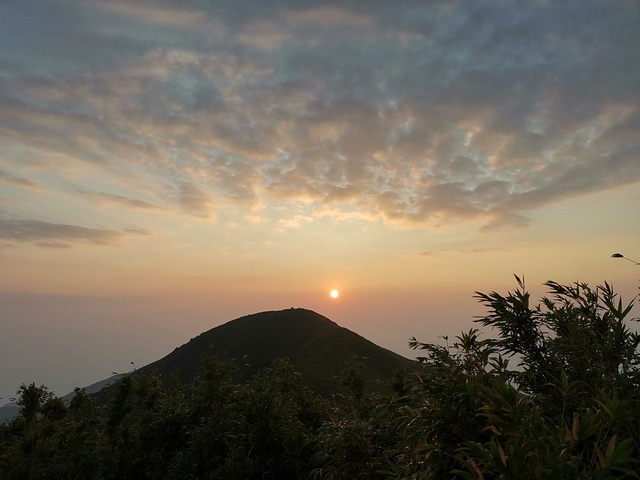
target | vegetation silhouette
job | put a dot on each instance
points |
(568, 408)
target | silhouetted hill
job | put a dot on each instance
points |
(319, 348)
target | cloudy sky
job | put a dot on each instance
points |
(168, 166)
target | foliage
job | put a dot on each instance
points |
(566, 409)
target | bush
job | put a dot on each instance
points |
(566, 411)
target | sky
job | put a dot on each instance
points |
(166, 167)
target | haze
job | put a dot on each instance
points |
(166, 167)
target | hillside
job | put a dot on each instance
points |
(319, 348)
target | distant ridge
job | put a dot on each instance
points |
(318, 347)
(9, 411)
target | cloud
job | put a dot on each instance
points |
(295, 221)
(327, 15)
(463, 251)
(148, 12)
(60, 245)
(19, 181)
(56, 235)
(194, 201)
(263, 35)
(413, 114)
(507, 220)
(109, 198)
(137, 231)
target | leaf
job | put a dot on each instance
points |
(503, 457)
(412, 412)
(575, 430)
(628, 471)
(610, 449)
(601, 460)
(475, 467)
(492, 428)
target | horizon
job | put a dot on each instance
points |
(168, 168)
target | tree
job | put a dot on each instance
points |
(31, 398)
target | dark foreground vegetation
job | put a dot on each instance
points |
(568, 408)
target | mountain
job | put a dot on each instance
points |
(95, 387)
(9, 411)
(319, 348)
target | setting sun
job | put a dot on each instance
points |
(334, 293)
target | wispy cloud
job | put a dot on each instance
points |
(56, 235)
(152, 13)
(195, 202)
(60, 245)
(17, 180)
(123, 200)
(460, 251)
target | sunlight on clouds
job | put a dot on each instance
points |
(295, 221)
(289, 122)
(421, 169)
(263, 34)
(153, 13)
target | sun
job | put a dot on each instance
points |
(334, 293)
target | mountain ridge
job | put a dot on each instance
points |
(317, 346)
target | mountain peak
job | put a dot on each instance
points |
(318, 347)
